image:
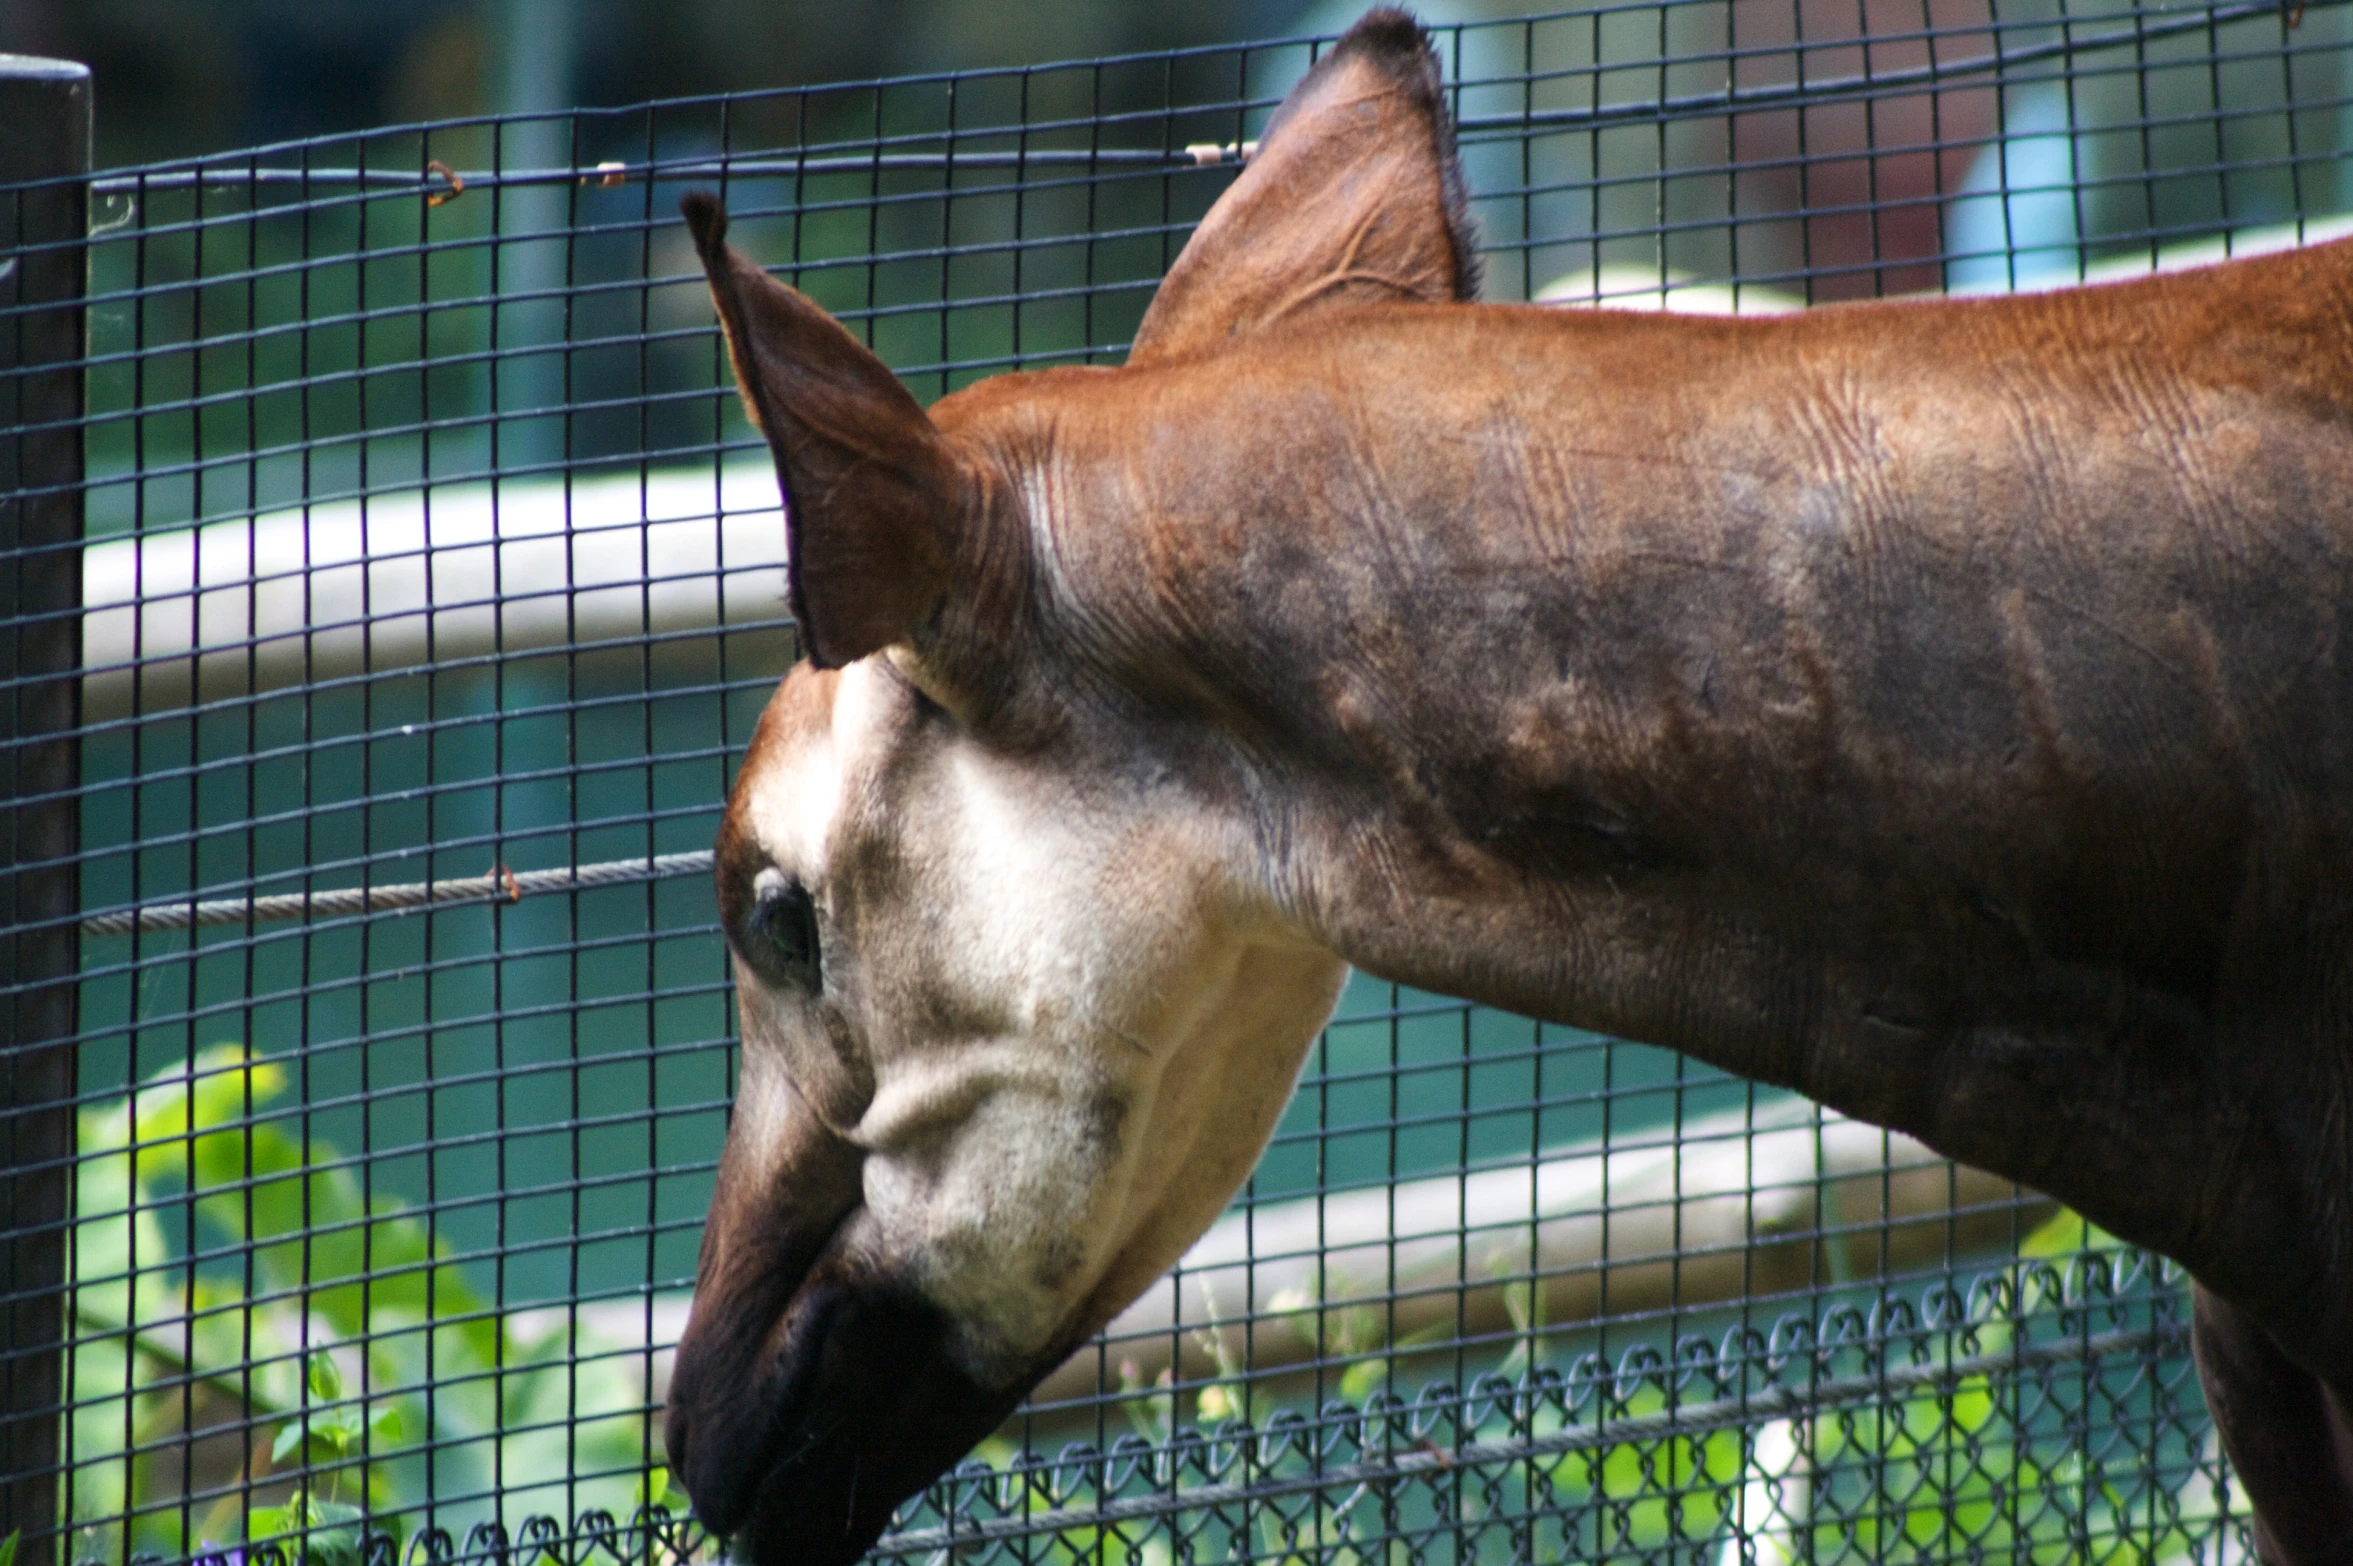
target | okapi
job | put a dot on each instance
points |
(1943, 709)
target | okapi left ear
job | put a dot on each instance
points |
(1354, 193)
(874, 500)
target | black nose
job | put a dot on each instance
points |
(863, 1409)
(740, 1396)
(787, 1185)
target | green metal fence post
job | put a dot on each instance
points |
(45, 120)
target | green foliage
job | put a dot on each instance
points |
(1967, 1464)
(331, 1335)
(1667, 1490)
(1914, 1476)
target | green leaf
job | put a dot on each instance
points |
(657, 1491)
(178, 1115)
(8, 1547)
(291, 1439)
(2065, 1233)
(375, 1276)
(1361, 1380)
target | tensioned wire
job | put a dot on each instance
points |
(499, 886)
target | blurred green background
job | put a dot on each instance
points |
(177, 77)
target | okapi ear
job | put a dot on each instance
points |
(872, 495)
(1353, 193)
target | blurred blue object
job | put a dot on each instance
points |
(2015, 224)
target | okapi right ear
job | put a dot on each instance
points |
(1353, 193)
(872, 495)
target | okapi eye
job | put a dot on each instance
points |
(780, 937)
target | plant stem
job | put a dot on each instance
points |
(178, 1364)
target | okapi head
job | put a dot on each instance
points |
(1019, 1005)
(1937, 708)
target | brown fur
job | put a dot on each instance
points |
(1376, 159)
(840, 424)
(1805, 694)
(1942, 709)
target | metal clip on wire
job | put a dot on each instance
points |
(1208, 154)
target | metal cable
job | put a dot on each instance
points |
(501, 885)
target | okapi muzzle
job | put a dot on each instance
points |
(809, 1396)
(1943, 709)
(809, 1400)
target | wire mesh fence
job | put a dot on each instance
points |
(417, 584)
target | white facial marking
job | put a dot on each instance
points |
(798, 794)
(1076, 1033)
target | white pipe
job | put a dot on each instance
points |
(404, 579)
(1728, 1205)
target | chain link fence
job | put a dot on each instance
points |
(391, 585)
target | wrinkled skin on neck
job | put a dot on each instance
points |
(1758, 689)
(1937, 709)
